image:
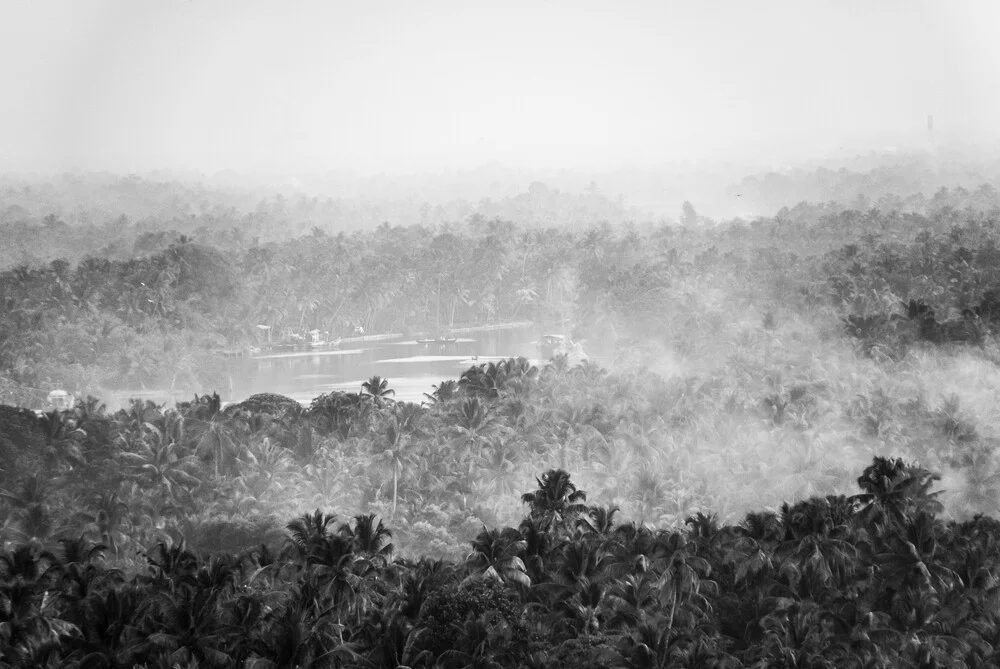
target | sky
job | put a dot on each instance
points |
(425, 85)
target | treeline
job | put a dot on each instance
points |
(115, 218)
(914, 183)
(873, 579)
(161, 313)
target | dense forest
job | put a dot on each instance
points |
(782, 454)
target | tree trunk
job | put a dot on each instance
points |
(673, 607)
(395, 475)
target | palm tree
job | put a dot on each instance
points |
(585, 606)
(309, 533)
(500, 461)
(582, 562)
(62, 440)
(474, 424)
(496, 555)
(370, 539)
(161, 466)
(682, 574)
(112, 625)
(634, 548)
(396, 455)
(83, 567)
(27, 575)
(599, 521)
(650, 493)
(443, 392)
(649, 646)
(894, 491)
(305, 635)
(632, 599)
(378, 389)
(171, 563)
(411, 417)
(31, 514)
(557, 502)
(341, 412)
(187, 629)
(482, 380)
(825, 549)
(914, 560)
(795, 636)
(538, 547)
(395, 643)
(217, 439)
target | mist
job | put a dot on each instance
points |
(393, 88)
(684, 317)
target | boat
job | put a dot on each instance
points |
(318, 343)
(60, 400)
(438, 340)
(551, 345)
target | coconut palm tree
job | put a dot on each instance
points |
(824, 550)
(27, 576)
(344, 413)
(411, 417)
(557, 502)
(914, 559)
(893, 491)
(112, 625)
(585, 608)
(187, 629)
(219, 439)
(306, 635)
(474, 424)
(171, 564)
(31, 517)
(308, 534)
(480, 381)
(160, 464)
(371, 539)
(83, 567)
(538, 548)
(681, 574)
(598, 521)
(496, 556)
(443, 392)
(632, 600)
(581, 562)
(395, 454)
(378, 389)
(795, 636)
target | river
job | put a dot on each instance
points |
(411, 368)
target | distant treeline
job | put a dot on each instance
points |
(157, 306)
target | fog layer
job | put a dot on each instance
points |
(395, 87)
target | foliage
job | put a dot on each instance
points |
(747, 373)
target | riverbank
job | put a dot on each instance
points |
(491, 328)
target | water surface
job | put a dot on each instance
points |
(412, 369)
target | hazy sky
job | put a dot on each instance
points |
(409, 85)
